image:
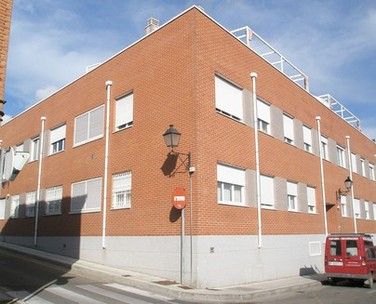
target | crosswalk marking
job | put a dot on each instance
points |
(113, 295)
(138, 291)
(71, 295)
(37, 300)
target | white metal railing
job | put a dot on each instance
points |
(340, 110)
(271, 55)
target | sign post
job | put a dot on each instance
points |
(179, 202)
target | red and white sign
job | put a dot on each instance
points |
(178, 198)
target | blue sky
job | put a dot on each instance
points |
(333, 42)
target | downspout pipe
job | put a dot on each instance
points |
(352, 187)
(41, 145)
(257, 157)
(106, 153)
(322, 177)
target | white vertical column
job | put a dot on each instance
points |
(41, 145)
(352, 187)
(258, 197)
(322, 177)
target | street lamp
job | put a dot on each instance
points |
(348, 184)
(171, 137)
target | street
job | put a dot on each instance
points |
(38, 282)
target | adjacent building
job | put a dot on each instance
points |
(258, 205)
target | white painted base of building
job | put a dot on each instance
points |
(218, 261)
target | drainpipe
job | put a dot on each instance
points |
(351, 177)
(41, 145)
(105, 175)
(258, 198)
(323, 196)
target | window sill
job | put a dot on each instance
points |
(230, 117)
(266, 207)
(58, 152)
(291, 210)
(233, 204)
(122, 129)
(120, 208)
(87, 141)
(85, 211)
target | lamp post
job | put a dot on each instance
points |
(172, 138)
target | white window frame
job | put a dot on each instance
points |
(230, 179)
(366, 210)
(354, 165)
(324, 148)
(267, 192)
(30, 203)
(344, 211)
(34, 149)
(84, 209)
(307, 138)
(2, 208)
(292, 196)
(89, 139)
(263, 116)
(372, 172)
(19, 148)
(124, 192)
(224, 89)
(59, 142)
(362, 167)
(121, 122)
(14, 206)
(288, 129)
(356, 207)
(311, 199)
(341, 157)
(54, 198)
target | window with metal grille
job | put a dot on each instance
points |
(121, 190)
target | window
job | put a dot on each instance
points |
(121, 190)
(267, 191)
(344, 206)
(311, 197)
(356, 208)
(88, 126)
(372, 172)
(341, 159)
(351, 248)
(57, 139)
(366, 210)
(54, 197)
(307, 139)
(87, 196)
(230, 185)
(14, 206)
(292, 193)
(263, 117)
(288, 129)
(335, 247)
(124, 112)
(34, 149)
(228, 99)
(2, 209)
(354, 163)
(362, 167)
(324, 148)
(30, 204)
(374, 211)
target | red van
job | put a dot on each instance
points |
(350, 256)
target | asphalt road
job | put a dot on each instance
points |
(39, 282)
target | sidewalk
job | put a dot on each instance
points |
(173, 290)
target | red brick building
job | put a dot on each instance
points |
(5, 15)
(194, 74)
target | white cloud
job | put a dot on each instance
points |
(45, 92)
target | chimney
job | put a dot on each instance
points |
(151, 25)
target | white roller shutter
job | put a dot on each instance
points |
(228, 98)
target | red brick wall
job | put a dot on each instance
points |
(5, 16)
(171, 74)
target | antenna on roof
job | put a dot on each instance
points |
(151, 25)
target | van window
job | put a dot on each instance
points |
(351, 248)
(371, 253)
(335, 248)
